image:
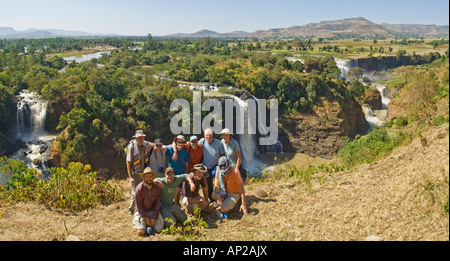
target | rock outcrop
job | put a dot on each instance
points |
(324, 130)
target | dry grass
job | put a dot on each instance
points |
(391, 199)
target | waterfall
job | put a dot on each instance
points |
(31, 113)
(344, 65)
(371, 118)
(384, 99)
(249, 145)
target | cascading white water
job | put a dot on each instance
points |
(345, 65)
(249, 146)
(31, 112)
(248, 142)
(377, 118)
(371, 118)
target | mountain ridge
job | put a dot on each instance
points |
(347, 28)
(9, 32)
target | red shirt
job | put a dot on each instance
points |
(195, 156)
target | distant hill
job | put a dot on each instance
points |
(346, 28)
(350, 27)
(418, 29)
(9, 32)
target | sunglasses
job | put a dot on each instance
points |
(222, 166)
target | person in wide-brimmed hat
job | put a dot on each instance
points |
(137, 158)
(178, 156)
(191, 196)
(147, 205)
(233, 151)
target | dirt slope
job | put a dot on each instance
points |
(395, 198)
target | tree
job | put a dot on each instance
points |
(356, 88)
(355, 73)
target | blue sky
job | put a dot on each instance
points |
(161, 17)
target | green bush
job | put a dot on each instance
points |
(191, 229)
(369, 148)
(75, 188)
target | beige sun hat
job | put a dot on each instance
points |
(200, 167)
(179, 137)
(139, 133)
(146, 171)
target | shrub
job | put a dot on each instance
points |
(369, 148)
(190, 230)
(75, 188)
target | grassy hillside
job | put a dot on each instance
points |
(391, 185)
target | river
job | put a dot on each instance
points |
(85, 57)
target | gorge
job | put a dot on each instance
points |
(320, 132)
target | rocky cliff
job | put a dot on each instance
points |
(324, 130)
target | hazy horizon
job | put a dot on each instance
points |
(139, 17)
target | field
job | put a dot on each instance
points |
(351, 44)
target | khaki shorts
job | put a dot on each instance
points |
(139, 223)
(230, 200)
(191, 207)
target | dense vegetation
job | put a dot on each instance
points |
(420, 92)
(99, 104)
(74, 188)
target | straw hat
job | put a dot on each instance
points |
(200, 167)
(139, 133)
(146, 171)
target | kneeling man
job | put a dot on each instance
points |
(147, 204)
(191, 196)
(228, 188)
(169, 209)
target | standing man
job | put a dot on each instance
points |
(233, 151)
(212, 151)
(178, 156)
(195, 152)
(147, 205)
(137, 157)
(158, 158)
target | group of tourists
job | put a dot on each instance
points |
(163, 175)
